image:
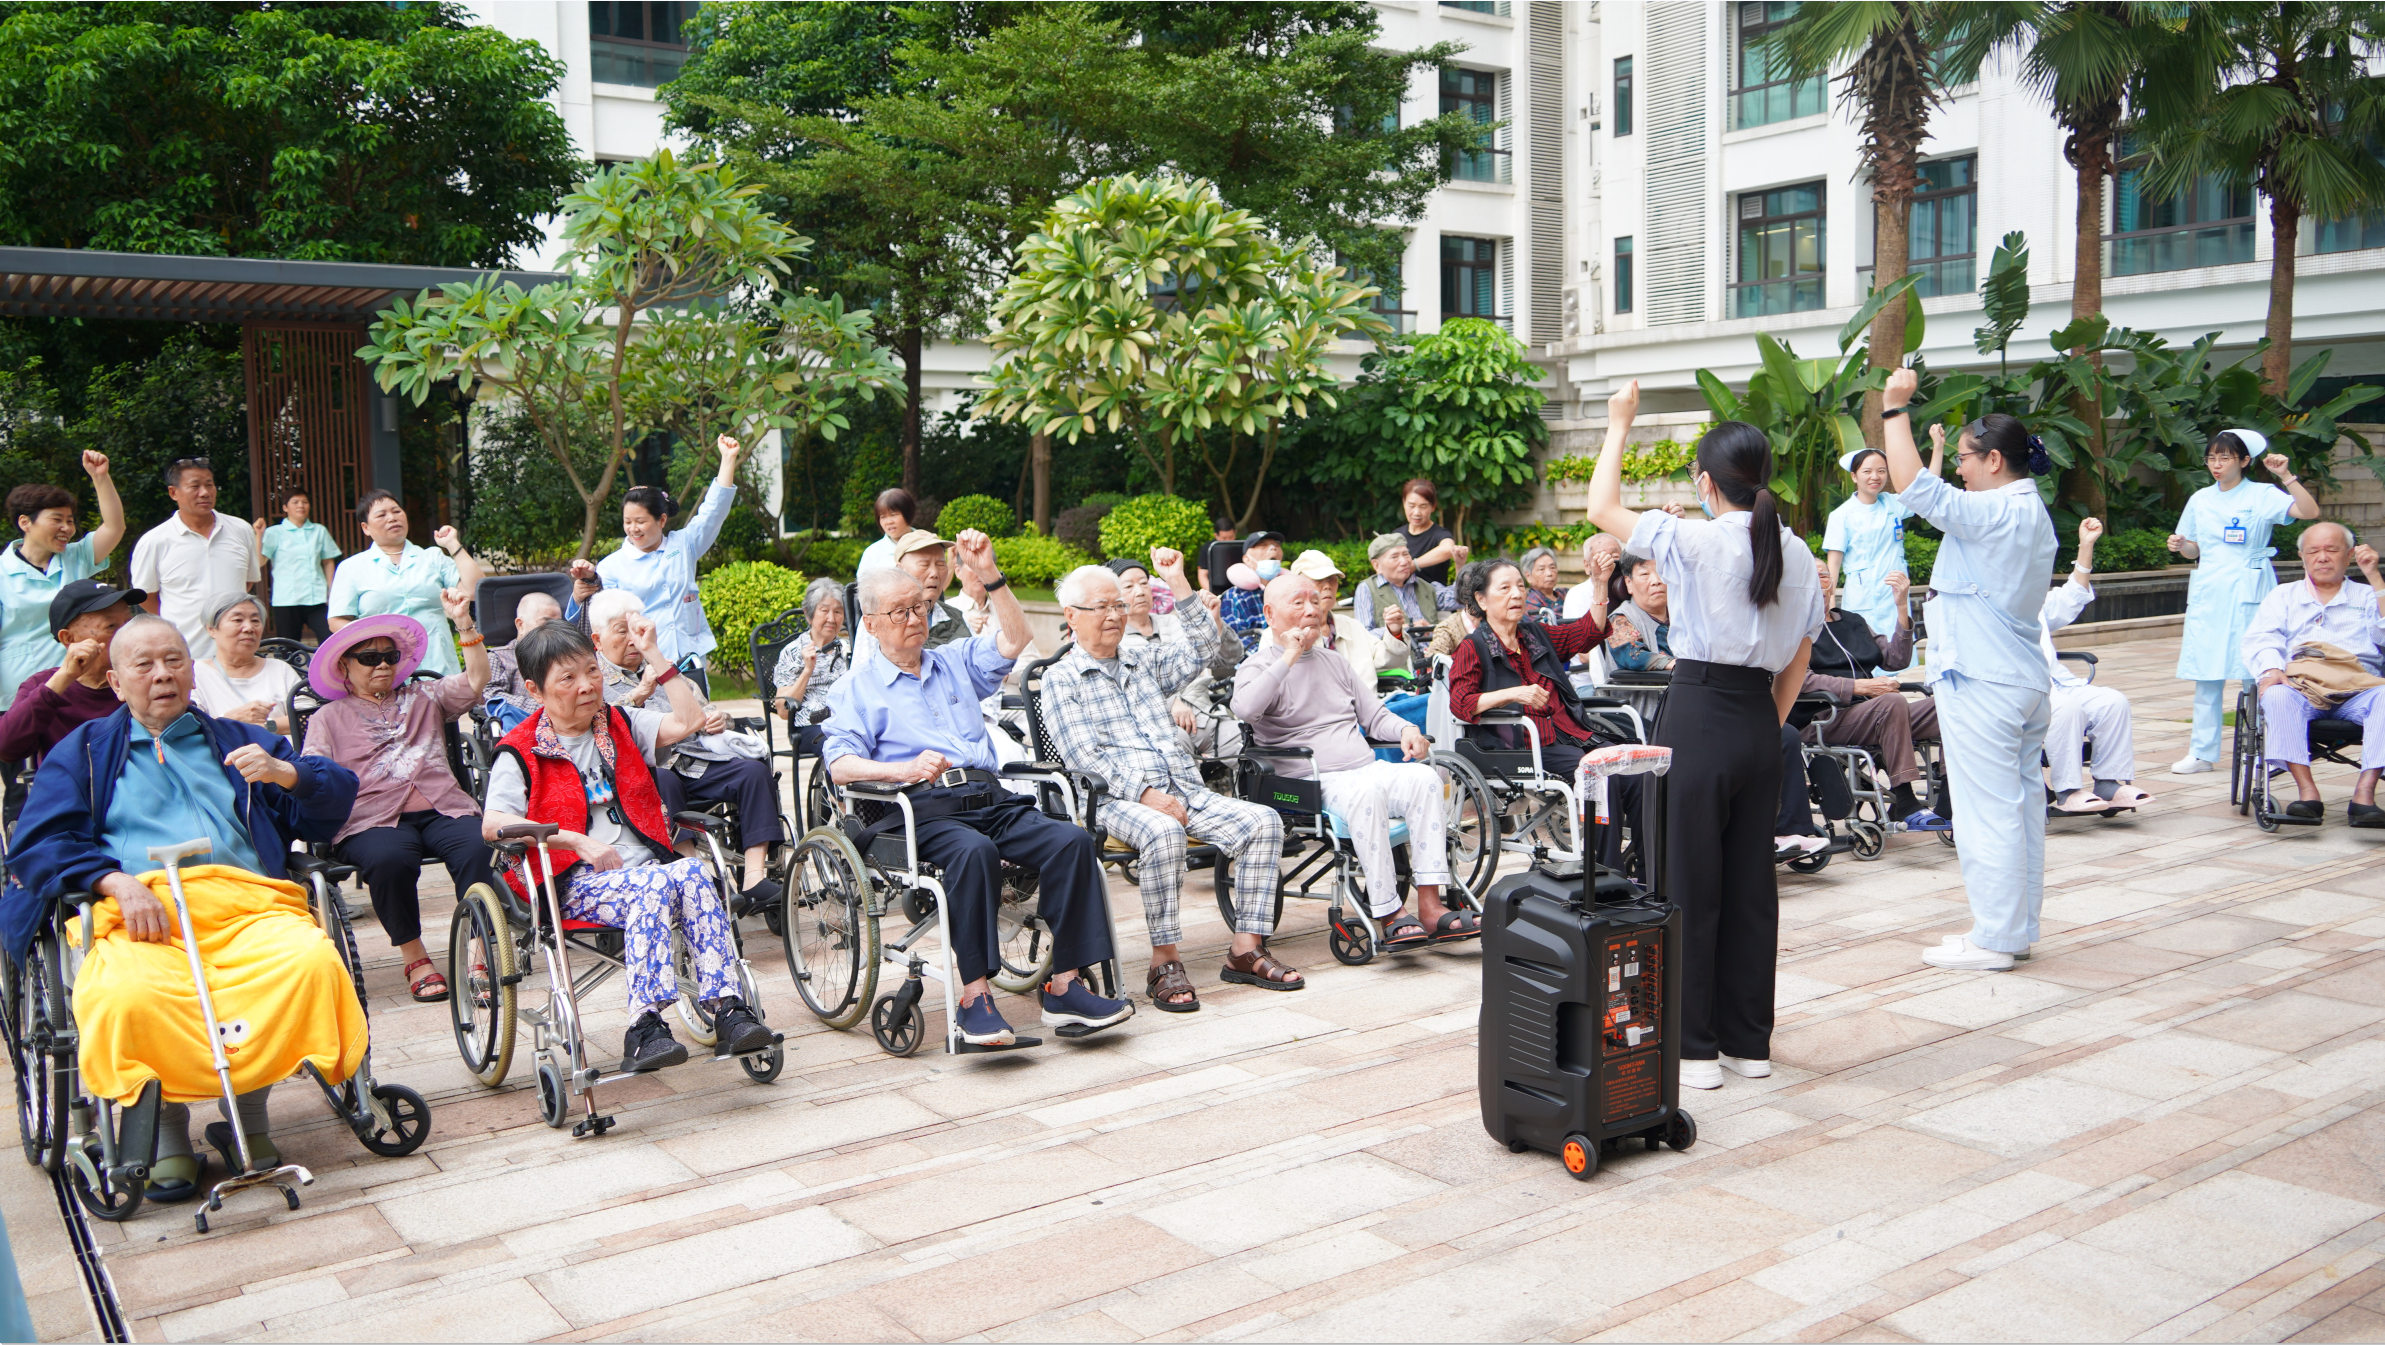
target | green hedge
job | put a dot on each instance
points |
(982, 512)
(1146, 521)
(1349, 557)
(738, 598)
(1040, 561)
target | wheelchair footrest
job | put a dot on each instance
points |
(1016, 1044)
(594, 1125)
(2283, 818)
(777, 1039)
(1075, 1031)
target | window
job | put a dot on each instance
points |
(1474, 93)
(1943, 243)
(1780, 252)
(637, 41)
(1622, 275)
(1477, 6)
(2349, 234)
(1763, 92)
(2209, 224)
(1623, 95)
(1386, 304)
(1470, 278)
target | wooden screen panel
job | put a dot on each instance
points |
(308, 424)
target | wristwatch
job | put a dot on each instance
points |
(1892, 412)
(997, 583)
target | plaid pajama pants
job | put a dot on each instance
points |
(643, 903)
(1253, 835)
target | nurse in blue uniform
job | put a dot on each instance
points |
(2225, 531)
(1985, 667)
(1864, 541)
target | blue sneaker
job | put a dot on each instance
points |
(982, 1025)
(1078, 1006)
(1922, 819)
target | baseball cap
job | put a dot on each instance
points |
(1314, 564)
(918, 539)
(1261, 538)
(1385, 542)
(85, 596)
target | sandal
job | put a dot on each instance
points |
(1171, 990)
(1466, 927)
(1404, 931)
(2073, 806)
(2129, 796)
(1257, 967)
(428, 988)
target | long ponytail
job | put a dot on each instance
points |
(1737, 458)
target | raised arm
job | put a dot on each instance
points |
(975, 550)
(1607, 509)
(1896, 432)
(111, 508)
(2280, 466)
(458, 604)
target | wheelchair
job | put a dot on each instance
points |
(2086, 749)
(1538, 815)
(494, 937)
(814, 803)
(839, 894)
(2250, 776)
(103, 1149)
(1848, 786)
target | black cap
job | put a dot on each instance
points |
(1260, 537)
(85, 596)
(1119, 565)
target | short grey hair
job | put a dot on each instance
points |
(2350, 540)
(222, 607)
(140, 625)
(1534, 557)
(820, 590)
(611, 603)
(1072, 591)
(875, 582)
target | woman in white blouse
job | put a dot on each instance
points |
(234, 683)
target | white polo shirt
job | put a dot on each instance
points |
(187, 570)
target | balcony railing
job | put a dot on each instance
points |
(2149, 250)
(1939, 276)
(1482, 165)
(1763, 298)
(1498, 7)
(614, 60)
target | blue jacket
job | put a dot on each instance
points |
(56, 847)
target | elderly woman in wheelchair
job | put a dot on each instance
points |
(1308, 711)
(186, 982)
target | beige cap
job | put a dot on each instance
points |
(1315, 564)
(918, 539)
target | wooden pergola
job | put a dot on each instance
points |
(315, 419)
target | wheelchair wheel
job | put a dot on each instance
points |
(1026, 946)
(1813, 863)
(554, 1104)
(1472, 820)
(832, 938)
(102, 1195)
(819, 805)
(692, 1013)
(409, 1122)
(1351, 940)
(1870, 841)
(45, 1084)
(480, 979)
(899, 1028)
(764, 1067)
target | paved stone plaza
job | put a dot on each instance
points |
(2165, 1125)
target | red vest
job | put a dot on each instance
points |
(557, 797)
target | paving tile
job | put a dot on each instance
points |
(1857, 1038)
(2341, 1159)
(1838, 1179)
(2363, 984)
(509, 1310)
(2228, 1229)
(2212, 935)
(2313, 906)
(1344, 1254)
(1091, 1258)
(1827, 1271)
(604, 1288)
(2016, 1118)
(190, 1268)
(950, 1198)
(791, 1129)
(2064, 1292)
(2344, 1324)
(1281, 1205)
(2166, 1066)
(1717, 1314)
(2287, 1021)
(520, 1197)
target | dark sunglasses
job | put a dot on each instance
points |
(379, 658)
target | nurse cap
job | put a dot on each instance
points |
(2255, 443)
(1847, 461)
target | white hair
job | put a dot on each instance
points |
(1073, 591)
(611, 603)
(142, 624)
(2350, 541)
(874, 582)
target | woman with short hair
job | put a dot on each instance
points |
(393, 576)
(1544, 601)
(233, 682)
(897, 512)
(47, 558)
(814, 662)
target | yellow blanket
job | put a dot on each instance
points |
(282, 996)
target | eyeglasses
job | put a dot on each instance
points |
(1105, 608)
(915, 612)
(378, 658)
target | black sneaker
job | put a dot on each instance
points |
(650, 1045)
(764, 894)
(737, 1029)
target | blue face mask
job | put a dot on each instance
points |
(1269, 569)
(1704, 507)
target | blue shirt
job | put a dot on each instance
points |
(27, 645)
(369, 583)
(664, 580)
(173, 790)
(1872, 539)
(297, 555)
(881, 713)
(1989, 580)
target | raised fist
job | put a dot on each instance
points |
(1900, 388)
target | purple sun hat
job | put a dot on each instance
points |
(323, 671)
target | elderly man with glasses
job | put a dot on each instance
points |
(909, 716)
(1108, 706)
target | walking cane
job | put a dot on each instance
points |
(171, 857)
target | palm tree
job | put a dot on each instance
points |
(2277, 96)
(2082, 57)
(1891, 84)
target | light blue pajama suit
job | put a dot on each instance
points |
(1989, 676)
(2230, 530)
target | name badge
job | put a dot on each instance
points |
(2235, 533)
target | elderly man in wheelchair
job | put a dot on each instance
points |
(1294, 696)
(907, 744)
(117, 794)
(1107, 708)
(2313, 649)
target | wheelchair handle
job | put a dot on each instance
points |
(172, 855)
(519, 831)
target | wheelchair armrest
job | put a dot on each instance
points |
(1290, 753)
(883, 789)
(748, 723)
(1600, 703)
(2080, 654)
(1012, 700)
(689, 817)
(79, 897)
(1500, 717)
(1817, 700)
(304, 865)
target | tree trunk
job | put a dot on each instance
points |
(908, 344)
(1039, 462)
(2083, 483)
(1892, 228)
(2285, 234)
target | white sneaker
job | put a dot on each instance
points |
(1963, 955)
(1747, 1069)
(1804, 845)
(1952, 939)
(2190, 766)
(1701, 1074)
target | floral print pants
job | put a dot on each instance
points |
(643, 903)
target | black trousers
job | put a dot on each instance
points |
(744, 783)
(390, 861)
(291, 623)
(1796, 809)
(1722, 798)
(969, 846)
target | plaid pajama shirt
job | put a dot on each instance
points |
(1117, 724)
